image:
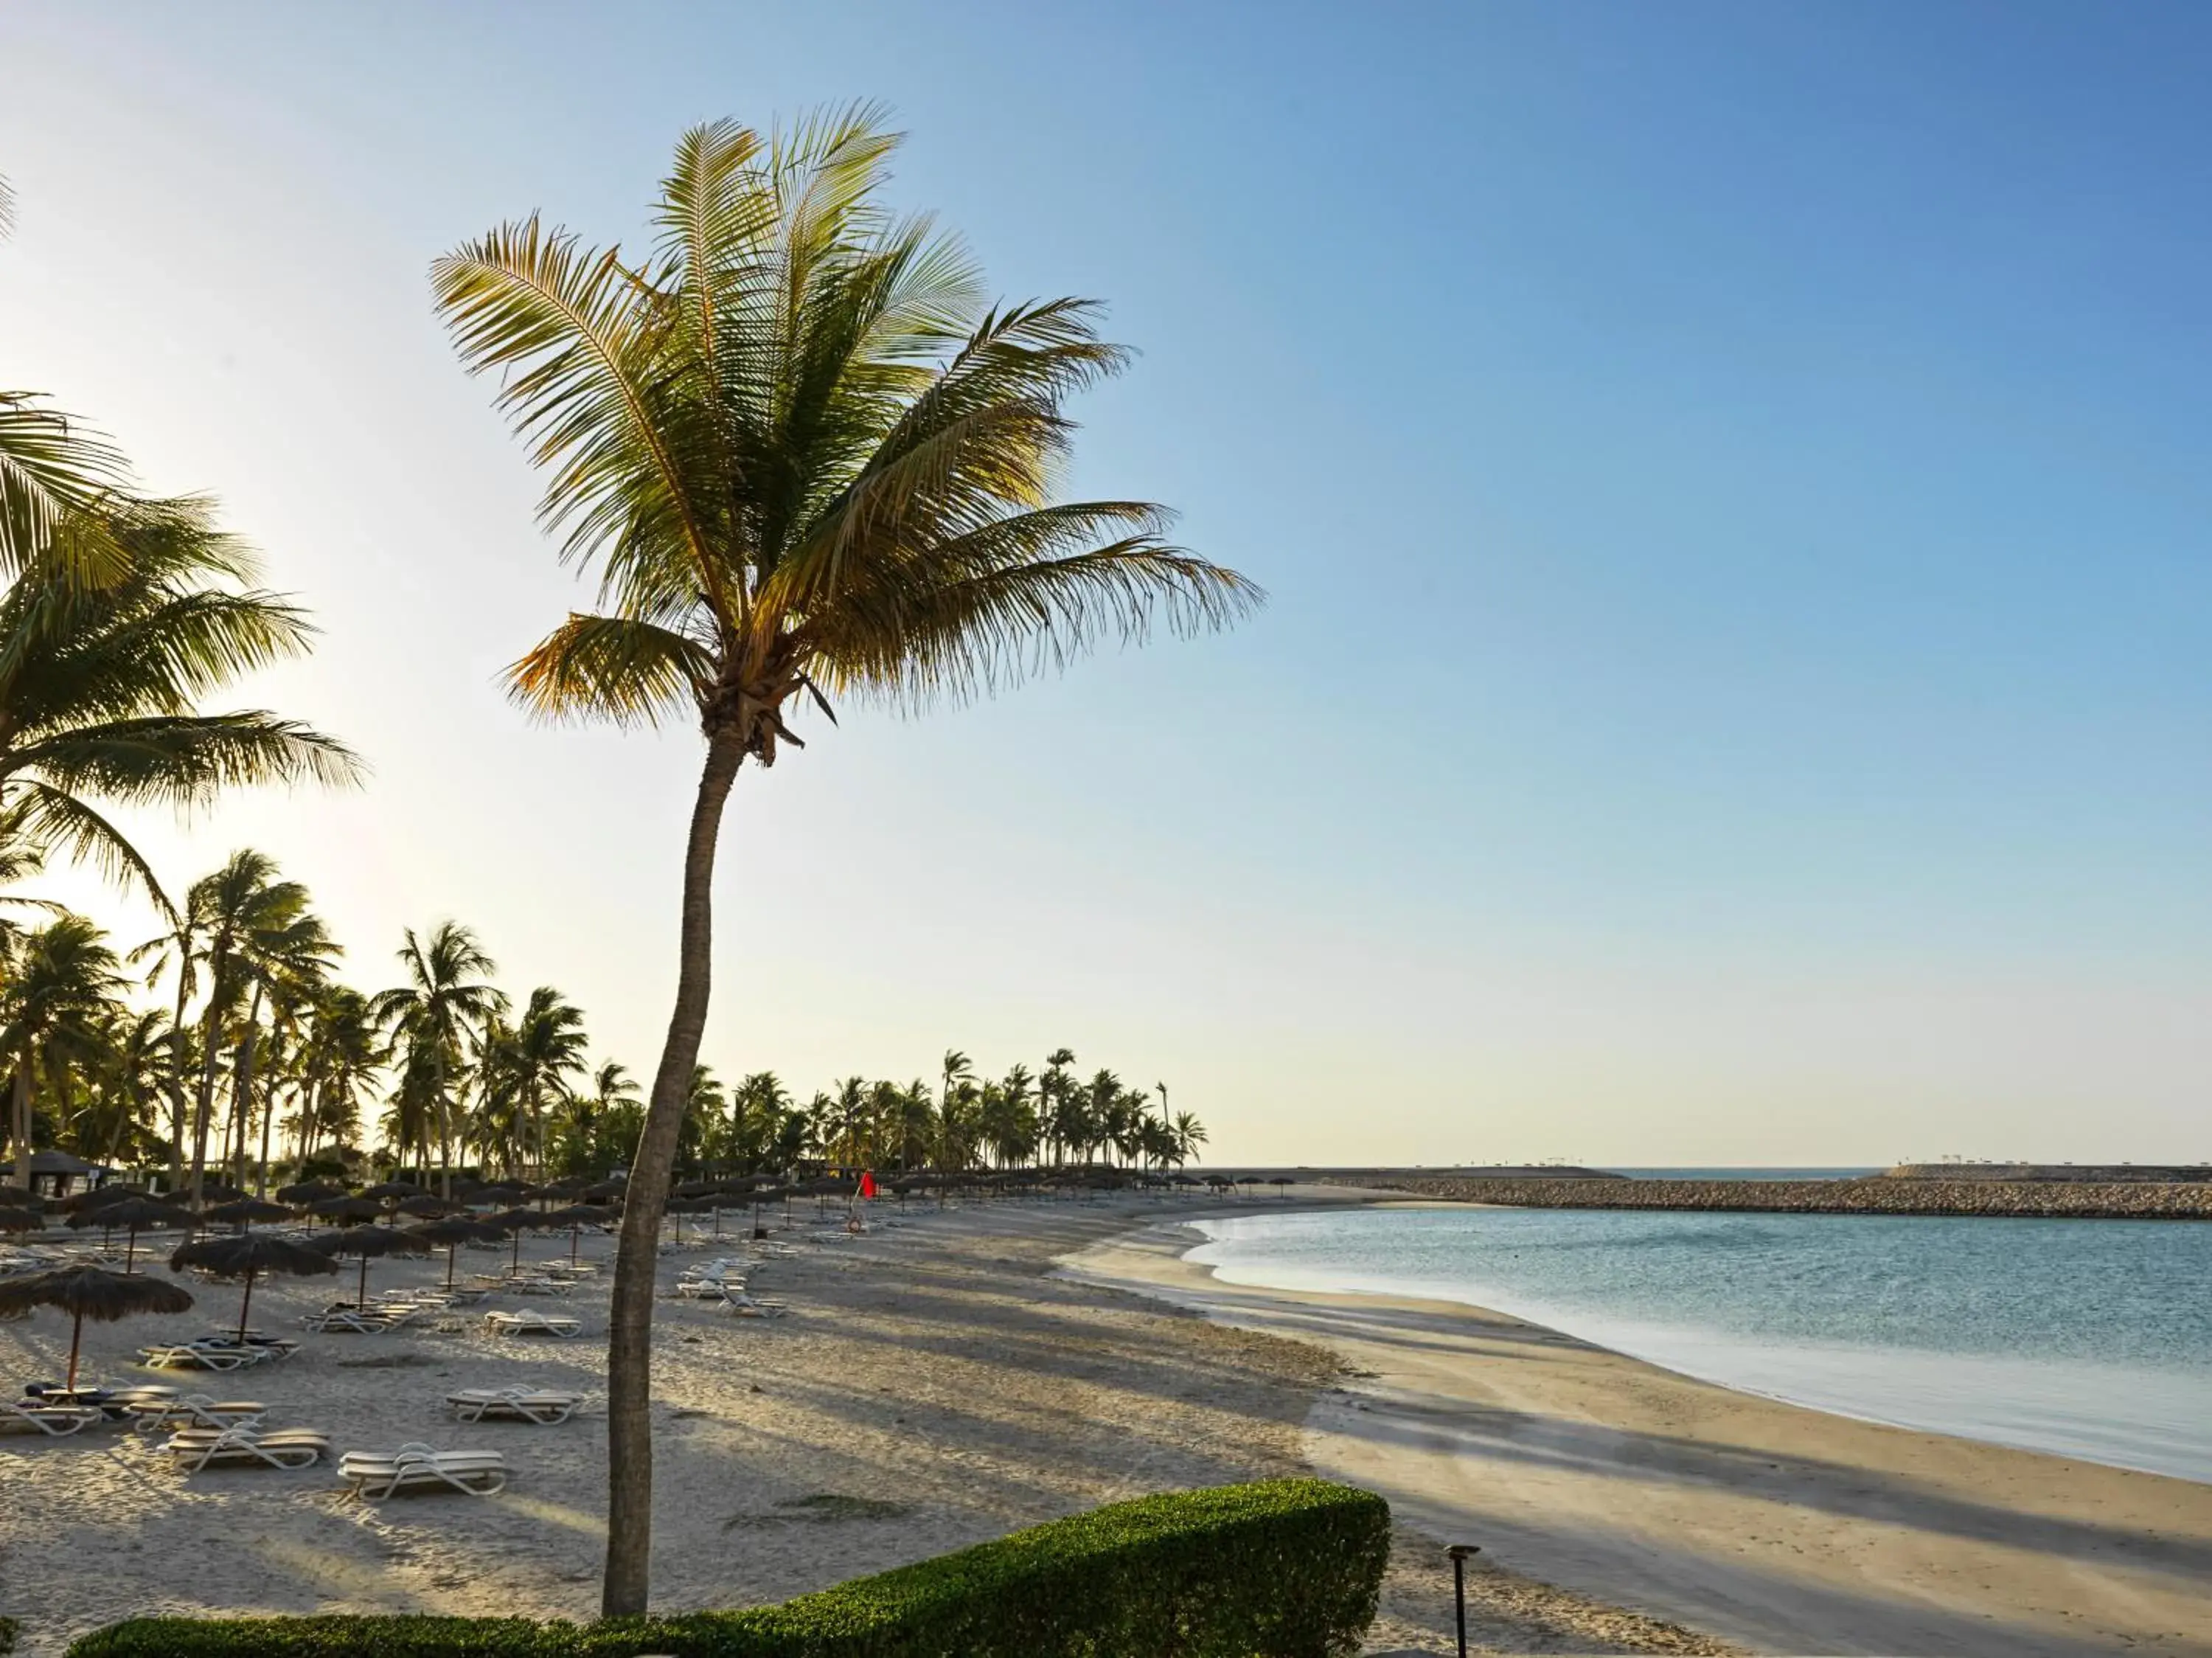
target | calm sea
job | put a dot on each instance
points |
(2088, 1338)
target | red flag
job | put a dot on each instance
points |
(867, 1184)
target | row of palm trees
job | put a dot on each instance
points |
(257, 1061)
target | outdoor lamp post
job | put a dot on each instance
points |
(1459, 1553)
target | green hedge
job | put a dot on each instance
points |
(1286, 1568)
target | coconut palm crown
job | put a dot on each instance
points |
(807, 460)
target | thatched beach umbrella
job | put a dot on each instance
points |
(346, 1209)
(247, 1255)
(514, 1221)
(309, 1192)
(424, 1207)
(576, 1217)
(88, 1292)
(14, 1197)
(451, 1234)
(20, 1220)
(246, 1212)
(98, 1197)
(366, 1241)
(131, 1216)
(504, 1192)
(606, 1191)
(394, 1189)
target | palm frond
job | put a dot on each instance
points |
(612, 668)
(56, 479)
(60, 821)
(183, 760)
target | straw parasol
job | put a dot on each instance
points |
(98, 1196)
(90, 1292)
(515, 1221)
(366, 1241)
(131, 1216)
(20, 1220)
(604, 1192)
(576, 1217)
(504, 1192)
(451, 1234)
(247, 1255)
(14, 1197)
(309, 1192)
(245, 1212)
(424, 1207)
(347, 1209)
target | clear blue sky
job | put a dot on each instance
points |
(1732, 480)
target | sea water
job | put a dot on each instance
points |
(2085, 1338)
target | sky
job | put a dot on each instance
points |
(1729, 477)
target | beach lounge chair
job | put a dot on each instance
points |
(377, 1474)
(198, 1411)
(536, 1285)
(354, 1320)
(195, 1356)
(530, 1323)
(544, 1406)
(191, 1450)
(745, 1307)
(270, 1347)
(116, 1404)
(54, 1420)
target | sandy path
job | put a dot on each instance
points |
(1785, 1529)
(933, 1383)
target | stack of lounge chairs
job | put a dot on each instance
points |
(530, 1322)
(377, 1474)
(545, 1406)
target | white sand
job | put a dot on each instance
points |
(937, 1383)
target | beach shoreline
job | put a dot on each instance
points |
(1775, 1525)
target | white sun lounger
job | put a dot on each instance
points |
(194, 1356)
(531, 1323)
(199, 1411)
(191, 1450)
(54, 1420)
(357, 1321)
(544, 1406)
(375, 1474)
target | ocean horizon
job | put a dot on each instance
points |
(2081, 1338)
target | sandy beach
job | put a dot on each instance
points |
(1783, 1529)
(953, 1374)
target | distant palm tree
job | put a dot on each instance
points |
(343, 1051)
(63, 984)
(446, 1002)
(255, 932)
(809, 459)
(548, 1048)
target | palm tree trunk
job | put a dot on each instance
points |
(177, 1084)
(203, 1107)
(21, 1125)
(241, 1092)
(630, 1324)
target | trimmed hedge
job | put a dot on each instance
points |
(1285, 1568)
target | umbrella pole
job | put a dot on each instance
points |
(515, 1264)
(245, 1306)
(452, 1251)
(130, 1247)
(361, 1295)
(575, 1239)
(77, 1335)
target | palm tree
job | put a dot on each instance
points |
(255, 933)
(100, 686)
(1052, 1088)
(343, 1051)
(1189, 1136)
(64, 983)
(178, 950)
(445, 1002)
(808, 461)
(549, 1048)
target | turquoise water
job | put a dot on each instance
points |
(2086, 1338)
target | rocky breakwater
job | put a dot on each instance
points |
(2134, 1200)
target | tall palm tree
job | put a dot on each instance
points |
(446, 999)
(343, 1052)
(808, 459)
(100, 683)
(256, 933)
(176, 949)
(63, 984)
(548, 1048)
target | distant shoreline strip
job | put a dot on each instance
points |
(2115, 1200)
